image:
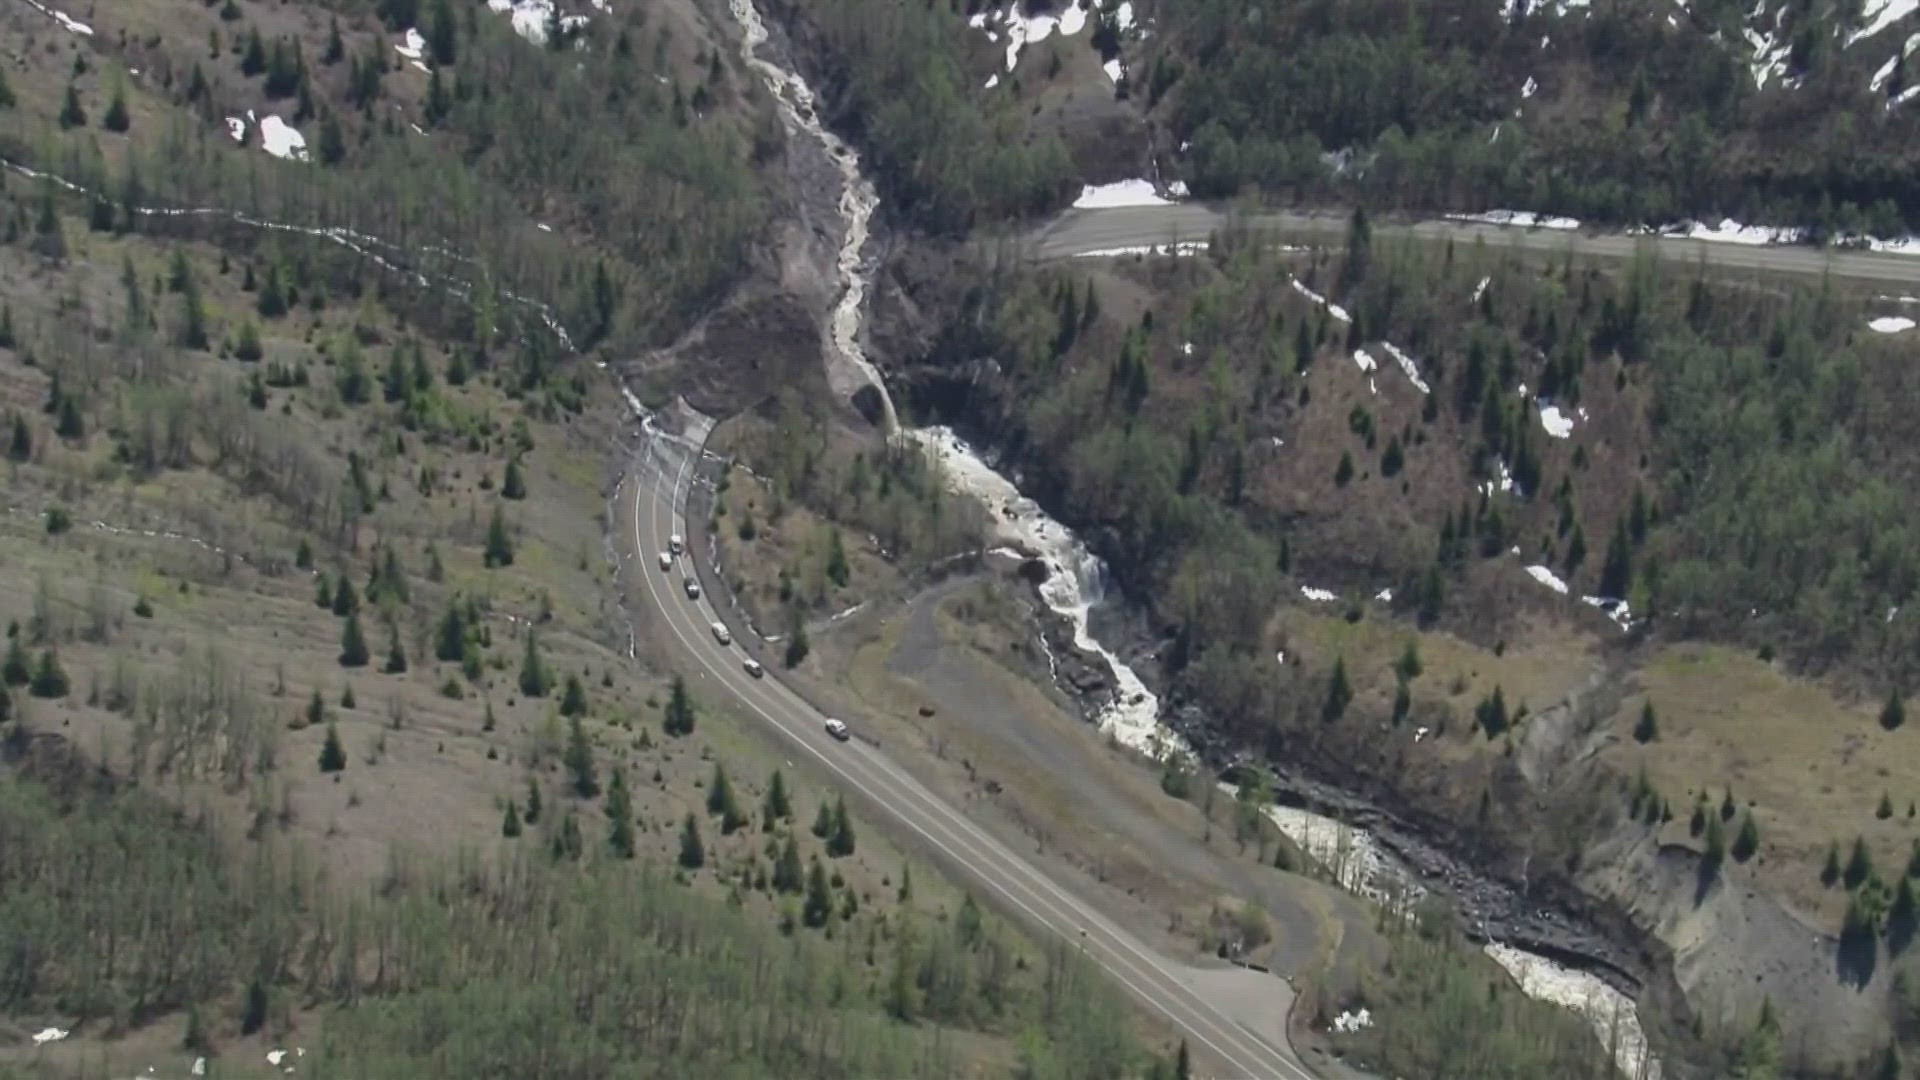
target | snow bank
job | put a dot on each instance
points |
(531, 18)
(1730, 231)
(237, 128)
(1365, 361)
(1891, 324)
(1524, 219)
(1769, 56)
(1612, 1014)
(1529, 88)
(1881, 14)
(1322, 596)
(1617, 610)
(1114, 70)
(1122, 193)
(1503, 483)
(1548, 578)
(1023, 29)
(1480, 290)
(282, 139)
(47, 1035)
(68, 22)
(1558, 424)
(1185, 247)
(1349, 1022)
(414, 47)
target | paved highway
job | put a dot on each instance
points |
(1078, 232)
(1212, 1008)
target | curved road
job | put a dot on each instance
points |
(1079, 232)
(1208, 1006)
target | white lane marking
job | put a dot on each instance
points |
(1218, 1023)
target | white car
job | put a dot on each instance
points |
(838, 730)
(693, 589)
(675, 544)
(721, 634)
(666, 560)
(754, 669)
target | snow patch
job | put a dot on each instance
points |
(1186, 348)
(1504, 482)
(1558, 424)
(1119, 194)
(282, 139)
(1617, 610)
(1185, 247)
(1529, 88)
(414, 47)
(47, 1035)
(68, 22)
(1902, 98)
(1769, 57)
(1480, 290)
(1730, 231)
(1547, 577)
(1333, 309)
(237, 128)
(1411, 369)
(1114, 70)
(1123, 15)
(532, 17)
(1891, 324)
(1365, 361)
(1349, 1022)
(1385, 596)
(1318, 595)
(1612, 1014)
(993, 80)
(1524, 219)
(1881, 14)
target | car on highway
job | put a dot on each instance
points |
(692, 587)
(721, 634)
(666, 560)
(838, 730)
(753, 668)
(675, 544)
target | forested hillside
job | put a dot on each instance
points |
(317, 690)
(1616, 112)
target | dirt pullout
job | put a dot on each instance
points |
(1148, 853)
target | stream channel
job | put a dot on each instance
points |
(1076, 582)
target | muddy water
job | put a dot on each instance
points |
(1076, 579)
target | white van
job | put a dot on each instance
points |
(721, 634)
(675, 544)
(666, 561)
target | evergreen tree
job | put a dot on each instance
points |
(336, 49)
(513, 485)
(823, 821)
(1895, 712)
(1747, 840)
(840, 841)
(1408, 666)
(1698, 824)
(1339, 692)
(333, 141)
(1885, 809)
(819, 903)
(1902, 915)
(499, 545)
(1859, 865)
(535, 681)
(1830, 873)
(1616, 574)
(1402, 701)
(786, 868)
(1343, 472)
(271, 300)
(116, 118)
(7, 100)
(253, 1016)
(1492, 713)
(567, 842)
(71, 113)
(533, 799)
(578, 759)
(346, 601)
(1716, 850)
(510, 825)
(6, 704)
(443, 33)
(797, 645)
(680, 709)
(620, 816)
(1648, 729)
(693, 855)
(777, 806)
(573, 700)
(396, 654)
(1727, 806)
(1888, 1067)
(837, 570)
(450, 641)
(49, 678)
(721, 801)
(333, 756)
(1182, 1063)
(905, 893)
(20, 445)
(316, 708)
(323, 590)
(16, 669)
(353, 644)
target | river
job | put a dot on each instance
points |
(1076, 579)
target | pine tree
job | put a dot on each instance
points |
(823, 821)
(1859, 864)
(333, 756)
(777, 806)
(578, 759)
(1402, 701)
(510, 825)
(693, 855)
(1408, 666)
(1888, 1067)
(1339, 692)
(1182, 1063)
(336, 49)
(1885, 809)
(1901, 917)
(721, 801)
(6, 704)
(443, 34)
(819, 903)
(49, 678)
(787, 875)
(499, 545)
(7, 100)
(353, 643)
(1616, 574)
(840, 841)
(346, 696)
(396, 655)
(680, 709)
(1747, 840)
(533, 799)
(620, 816)
(450, 641)
(1648, 729)
(573, 700)
(253, 1016)
(534, 678)
(567, 842)
(837, 569)
(1343, 472)
(1895, 712)
(20, 445)
(346, 601)
(316, 708)
(15, 670)
(333, 141)
(1727, 806)
(71, 114)
(1716, 850)
(1830, 873)
(116, 118)
(1492, 713)
(798, 647)
(513, 485)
